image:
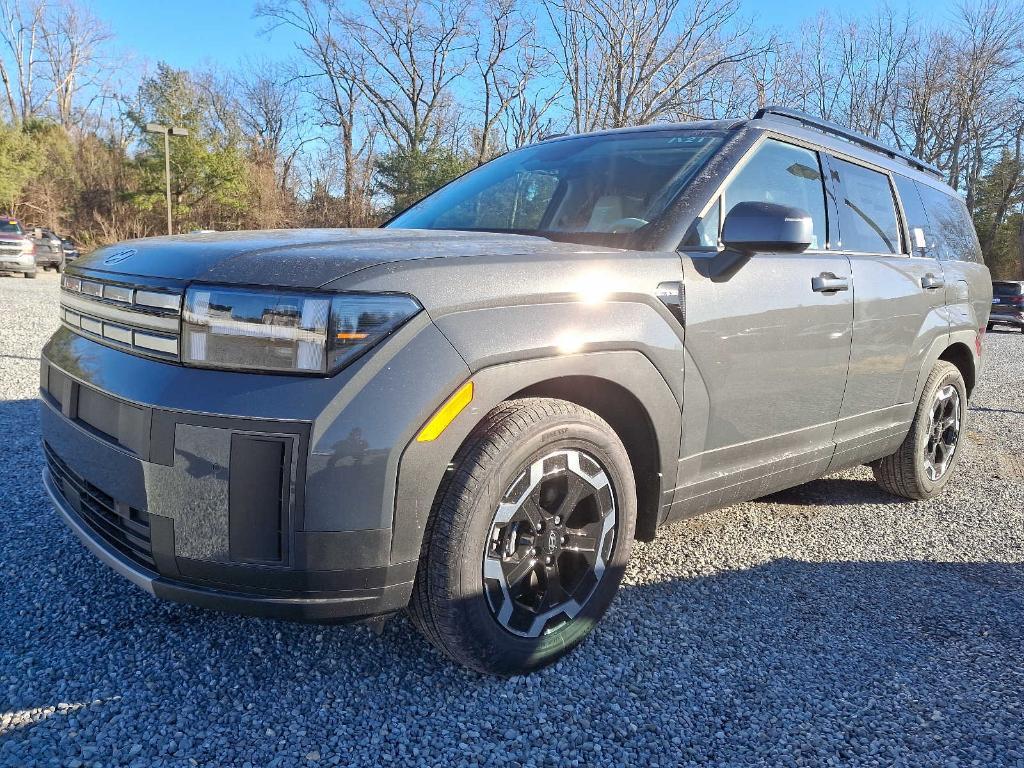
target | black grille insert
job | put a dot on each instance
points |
(125, 528)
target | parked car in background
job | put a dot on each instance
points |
(1007, 304)
(474, 410)
(49, 249)
(17, 251)
(71, 251)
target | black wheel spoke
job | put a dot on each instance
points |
(581, 542)
(554, 589)
(518, 571)
(576, 491)
(532, 513)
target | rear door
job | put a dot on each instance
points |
(950, 238)
(899, 299)
(767, 350)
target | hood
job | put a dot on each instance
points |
(306, 258)
(11, 237)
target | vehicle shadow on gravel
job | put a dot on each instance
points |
(785, 662)
(834, 491)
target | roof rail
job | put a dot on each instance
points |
(848, 134)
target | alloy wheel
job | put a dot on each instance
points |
(549, 541)
(943, 432)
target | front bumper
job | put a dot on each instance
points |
(353, 603)
(266, 495)
(12, 263)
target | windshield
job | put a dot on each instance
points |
(588, 189)
(10, 227)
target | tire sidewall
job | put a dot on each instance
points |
(499, 649)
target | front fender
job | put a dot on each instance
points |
(422, 465)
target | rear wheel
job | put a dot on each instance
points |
(31, 275)
(924, 462)
(528, 540)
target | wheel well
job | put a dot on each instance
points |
(959, 355)
(628, 417)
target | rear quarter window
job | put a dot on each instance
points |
(913, 210)
(950, 235)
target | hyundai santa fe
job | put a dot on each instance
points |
(473, 411)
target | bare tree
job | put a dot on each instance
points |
(630, 63)
(72, 43)
(526, 119)
(507, 59)
(411, 52)
(332, 70)
(21, 29)
(269, 107)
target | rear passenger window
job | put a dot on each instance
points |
(867, 211)
(950, 233)
(913, 209)
(786, 175)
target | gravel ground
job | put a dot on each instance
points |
(829, 624)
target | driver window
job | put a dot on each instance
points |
(786, 175)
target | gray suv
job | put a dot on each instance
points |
(473, 411)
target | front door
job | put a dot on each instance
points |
(767, 347)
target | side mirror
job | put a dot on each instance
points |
(37, 233)
(750, 227)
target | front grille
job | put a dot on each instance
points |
(137, 318)
(124, 528)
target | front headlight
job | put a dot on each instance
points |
(291, 331)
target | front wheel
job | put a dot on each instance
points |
(922, 465)
(529, 538)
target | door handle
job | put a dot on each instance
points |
(930, 281)
(826, 282)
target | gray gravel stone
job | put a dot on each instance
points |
(827, 625)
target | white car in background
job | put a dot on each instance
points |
(17, 251)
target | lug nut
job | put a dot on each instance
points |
(558, 520)
(549, 560)
(565, 539)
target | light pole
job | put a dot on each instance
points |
(167, 132)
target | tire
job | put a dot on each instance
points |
(31, 275)
(472, 618)
(907, 472)
(988, 327)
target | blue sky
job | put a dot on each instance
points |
(189, 33)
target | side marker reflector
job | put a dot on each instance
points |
(446, 413)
